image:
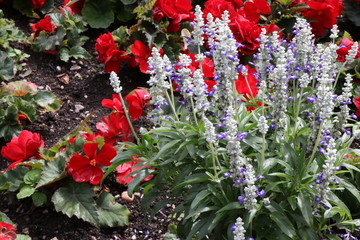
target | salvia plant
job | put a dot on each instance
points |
(274, 171)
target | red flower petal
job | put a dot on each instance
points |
(83, 174)
(13, 152)
(78, 161)
(96, 175)
(90, 150)
(106, 154)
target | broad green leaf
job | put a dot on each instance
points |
(22, 237)
(6, 66)
(98, 14)
(111, 213)
(79, 52)
(305, 205)
(230, 206)
(76, 199)
(53, 171)
(33, 176)
(15, 177)
(24, 7)
(25, 191)
(39, 198)
(47, 100)
(164, 150)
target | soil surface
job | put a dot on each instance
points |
(88, 85)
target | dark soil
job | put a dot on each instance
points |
(88, 85)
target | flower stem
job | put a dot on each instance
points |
(128, 119)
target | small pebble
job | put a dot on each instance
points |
(78, 107)
(75, 67)
(133, 237)
(125, 196)
(58, 68)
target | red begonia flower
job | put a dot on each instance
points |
(246, 85)
(177, 10)
(217, 8)
(324, 14)
(44, 24)
(114, 103)
(87, 168)
(114, 59)
(103, 43)
(38, 3)
(142, 53)
(344, 47)
(253, 9)
(7, 231)
(23, 147)
(76, 6)
(137, 101)
(125, 169)
(114, 127)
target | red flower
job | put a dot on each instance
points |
(7, 231)
(23, 147)
(177, 10)
(137, 100)
(114, 103)
(87, 168)
(357, 105)
(217, 8)
(103, 43)
(345, 46)
(141, 52)
(324, 14)
(114, 59)
(38, 3)
(114, 127)
(246, 85)
(127, 168)
(44, 24)
(253, 9)
(76, 6)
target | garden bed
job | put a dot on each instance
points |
(80, 96)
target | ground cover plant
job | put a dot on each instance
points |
(248, 118)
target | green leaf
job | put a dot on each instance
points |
(53, 171)
(39, 198)
(282, 221)
(195, 178)
(22, 237)
(304, 203)
(15, 177)
(25, 191)
(47, 100)
(33, 176)
(79, 52)
(354, 191)
(76, 199)
(111, 213)
(98, 14)
(24, 7)
(6, 66)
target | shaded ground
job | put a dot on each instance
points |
(88, 85)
